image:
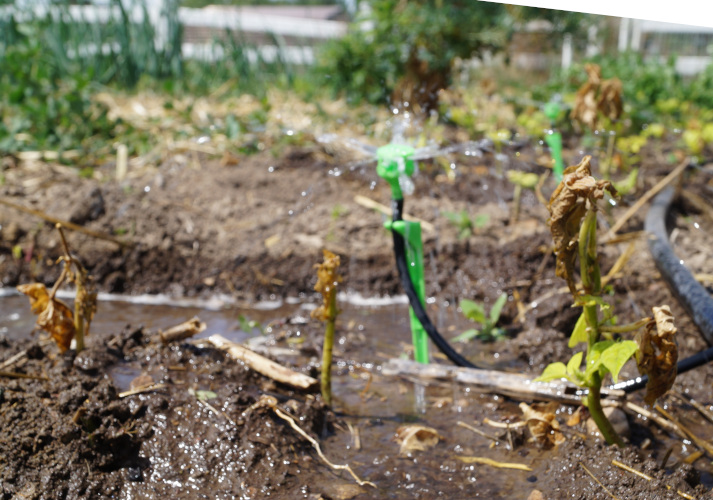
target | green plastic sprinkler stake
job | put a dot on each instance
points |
(395, 164)
(554, 139)
(411, 231)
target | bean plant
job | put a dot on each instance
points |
(573, 223)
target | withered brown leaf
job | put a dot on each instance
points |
(85, 302)
(416, 438)
(327, 280)
(658, 354)
(567, 207)
(597, 97)
(53, 315)
(543, 424)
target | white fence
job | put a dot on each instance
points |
(297, 35)
(692, 45)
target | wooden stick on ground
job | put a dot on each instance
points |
(65, 223)
(263, 365)
(644, 199)
(513, 385)
(183, 331)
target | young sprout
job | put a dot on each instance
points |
(464, 224)
(573, 223)
(327, 280)
(476, 312)
(521, 180)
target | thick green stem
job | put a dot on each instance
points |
(326, 379)
(591, 282)
(594, 404)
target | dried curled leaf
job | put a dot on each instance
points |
(53, 315)
(567, 207)
(543, 424)
(85, 302)
(416, 438)
(327, 280)
(597, 98)
(658, 354)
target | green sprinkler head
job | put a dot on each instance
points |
(395, 164)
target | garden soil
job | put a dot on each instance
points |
(252, 228)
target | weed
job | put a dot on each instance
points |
(464, 224)
(476, 312)
(249, 325)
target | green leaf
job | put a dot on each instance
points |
(575, 362)
(615, 356)
(594, 362)
(473, 311)
(579, 334)
(497, 308)
(466, 335)
(554, 371)
(203, 395)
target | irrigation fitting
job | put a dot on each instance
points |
(395, 164)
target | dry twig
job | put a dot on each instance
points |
(64, 223)
(598, 481)
(478, 431)
(141, 390)
(645, 198)
(271, 402)
(493, 463)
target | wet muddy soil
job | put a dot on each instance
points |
(254, 230)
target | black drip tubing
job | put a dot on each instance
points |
(414, 300)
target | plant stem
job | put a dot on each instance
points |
(78, 325)
(594, 404)
(326, 379)
(591, 282)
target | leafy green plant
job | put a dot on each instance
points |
(573, 223)
(464, 224)
(476, 312)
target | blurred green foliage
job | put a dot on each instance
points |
(652, 90)
(406, 50)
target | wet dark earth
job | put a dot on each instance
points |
(211, 427)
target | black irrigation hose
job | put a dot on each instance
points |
(418, 309)
(691, 294)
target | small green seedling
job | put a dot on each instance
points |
(573, 223)
(476, 312)
(249, 325)
(465, 225)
